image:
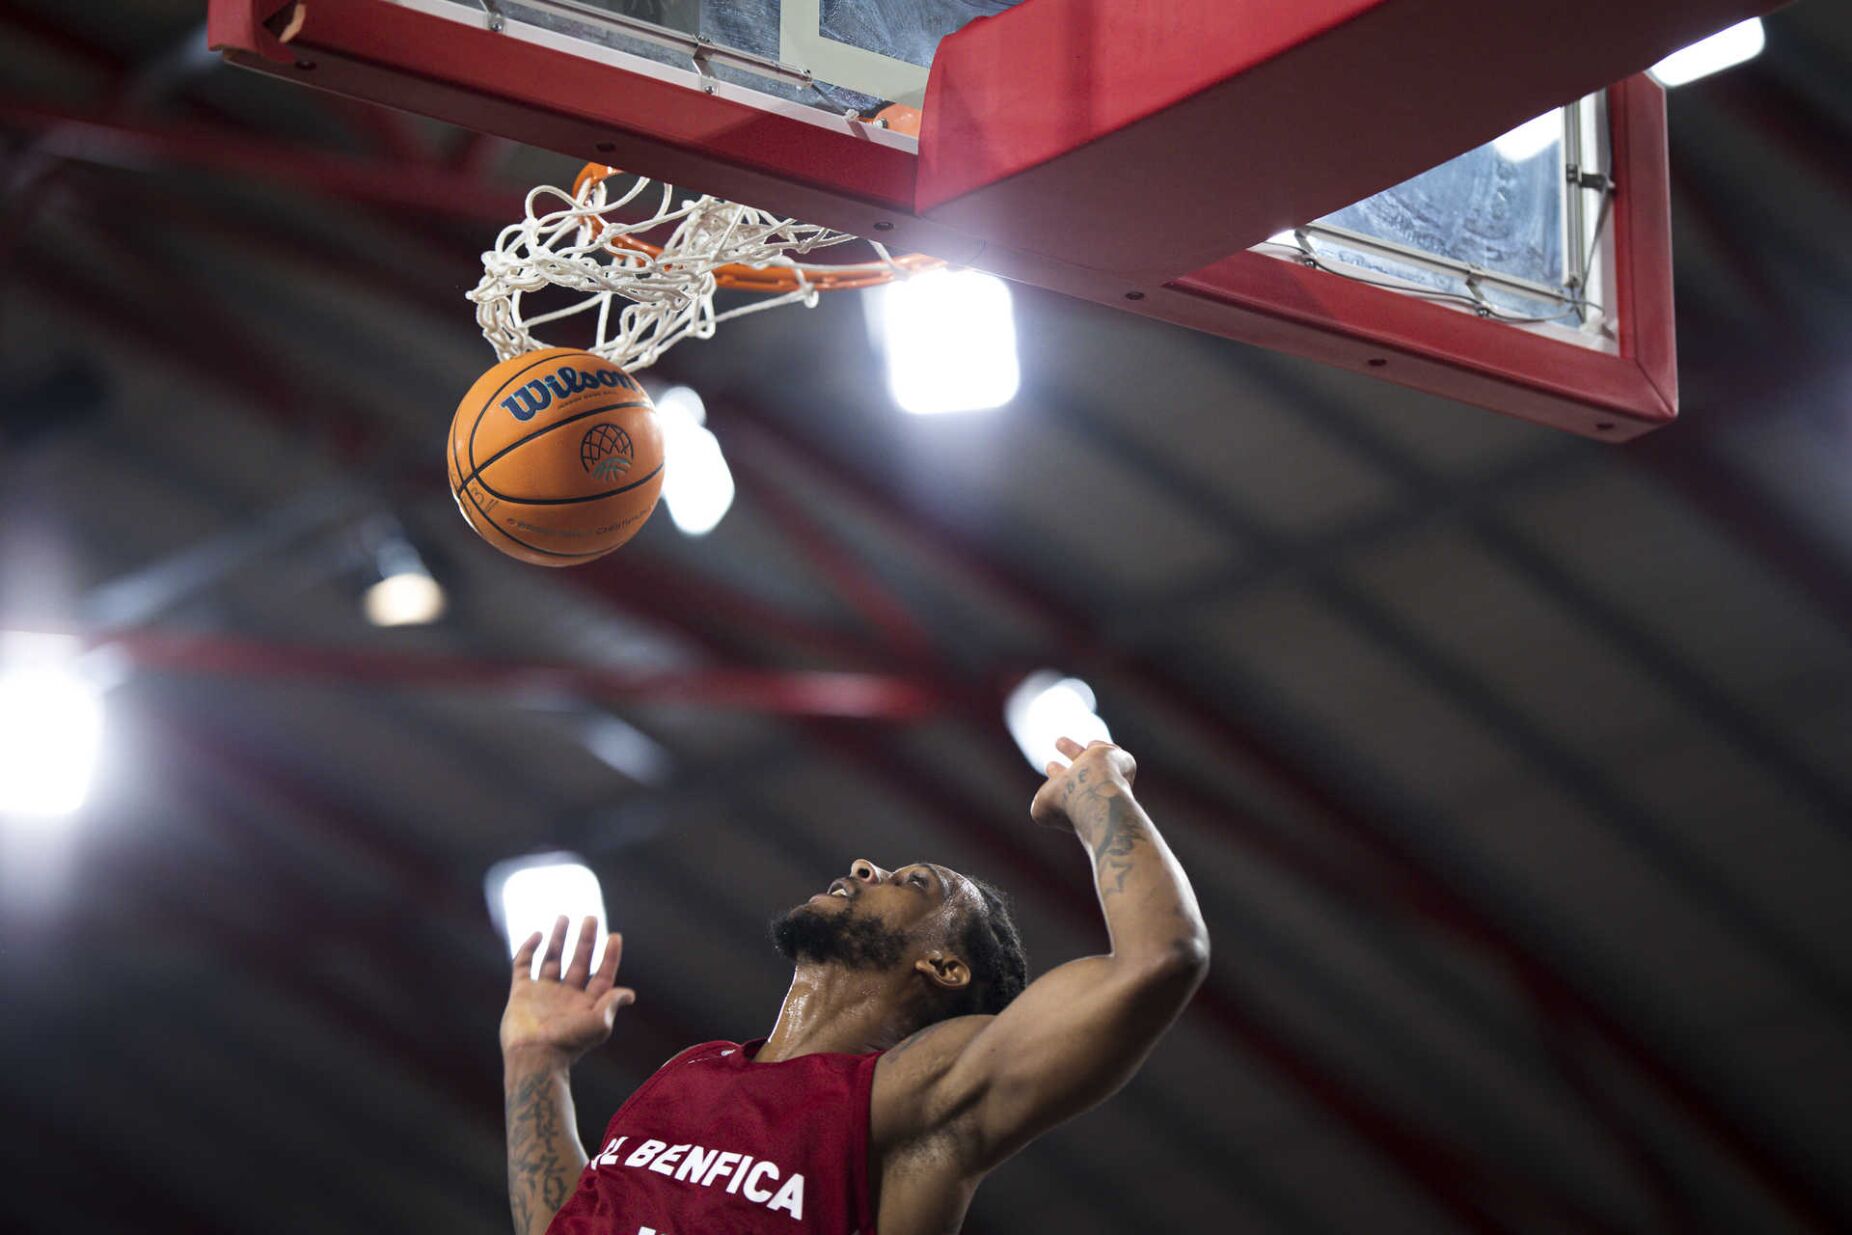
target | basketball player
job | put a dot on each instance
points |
(907, 1063)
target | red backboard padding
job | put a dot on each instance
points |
(1106, 154)
(1412, 342)
(470, 75)
(1177, 132)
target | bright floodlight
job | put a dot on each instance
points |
(697, 485)
(410, 598)
(1046, 706)
(1740, 42)
(527, 894)
(950, 341)
(1532, 137)
(51, 723)
(406, 594)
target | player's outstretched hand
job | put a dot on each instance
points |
(564, 1015)
(1098, 769)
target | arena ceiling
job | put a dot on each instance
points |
(1514, 772)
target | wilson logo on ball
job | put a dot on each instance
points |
(605, 450)
(530, 400)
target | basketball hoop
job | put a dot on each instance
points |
(647, 296)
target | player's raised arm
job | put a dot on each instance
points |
(1078, 1033)
(549, 1023)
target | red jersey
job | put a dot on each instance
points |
(715, 1144)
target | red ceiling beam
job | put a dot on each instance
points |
(707, 600)
(99, 137)
(855, 696)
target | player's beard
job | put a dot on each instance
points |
(845, 938)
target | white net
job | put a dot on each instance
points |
(580, 260)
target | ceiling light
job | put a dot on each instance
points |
(411, 598)
(51, 725)
(1740, 42)
(950, 341)
(528, 894)
(697, 484)
(1046, 706)
(406, 594)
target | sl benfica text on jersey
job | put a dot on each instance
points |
(717, 1144)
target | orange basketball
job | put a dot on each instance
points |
(556, 457)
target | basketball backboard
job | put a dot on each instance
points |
(1363, 182)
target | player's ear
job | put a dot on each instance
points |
(944, 970)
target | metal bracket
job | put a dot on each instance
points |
(1481, 305)
(698, 47)
(496, 21)
(1600, 182)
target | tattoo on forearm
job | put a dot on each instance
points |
(1115, 844)
(539, 1172)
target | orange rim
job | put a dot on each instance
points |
(775, 280)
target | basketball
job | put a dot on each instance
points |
(556, 457)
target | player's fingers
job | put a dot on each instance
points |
(613, 956)
(1069, 747)
(1055, 768)
(581, 966)
(613, 999)
(556, 944)
(524, 957)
